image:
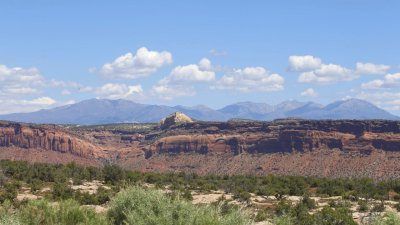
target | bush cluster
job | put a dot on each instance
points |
(38, 173)
(299, 214)
(135, 206)
(40, 212)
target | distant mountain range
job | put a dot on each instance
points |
(103, 111)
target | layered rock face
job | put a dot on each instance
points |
(45, 137)
(286, 147)
(280, 137)
(291, 147)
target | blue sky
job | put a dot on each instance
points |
(198, 52)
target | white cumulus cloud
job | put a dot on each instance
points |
(251, 79)
(393, 79)
(181, 80)
(132, 66)
(23, 105)
(312, 70)
(327, 74)
(374, 84)
(19, 81)
(370, 68)
(389, 81)
(118, 91)
(19, 74)
(303, 63)
(24, 90)
(42, 101)
(201, 72)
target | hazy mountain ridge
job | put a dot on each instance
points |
(102, 111)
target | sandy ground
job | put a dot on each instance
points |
(89, 187)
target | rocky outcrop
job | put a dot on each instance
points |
(280, 137)
(45, 137)
(175, 119)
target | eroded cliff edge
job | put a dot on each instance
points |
(287, 136)
(286, 147)
(341, 148)
(45, 137)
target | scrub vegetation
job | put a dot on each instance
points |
(70, 194)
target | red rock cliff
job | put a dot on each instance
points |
(45, 137)
(282, 136)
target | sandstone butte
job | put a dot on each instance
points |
(341, 148)
(174, 119)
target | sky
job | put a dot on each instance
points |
(212, 53)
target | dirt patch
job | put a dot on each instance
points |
(89, 187)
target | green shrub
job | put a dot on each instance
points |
(310, 203)
(284, 220)
(9, 219)
(224, 206)
(397, 207)
(6, 215)
(280, 186)
(332, 203)
(379, 207)
(3, 178)
(187, 195)
(299, 214)
(62, 191)
(85, 198)
(139, 206)
(243, 196)
(262, 215)
(10, 191)
(283, 208)
(41, 212)
(362, 206)
(113, 174)
(389, 218)
(103, 195)
(392, 219)
(339, 216)
(36, 185)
